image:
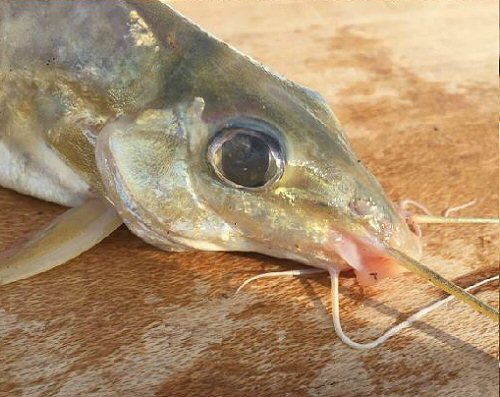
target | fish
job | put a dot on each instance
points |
(127, 112)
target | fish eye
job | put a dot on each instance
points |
(246, 159)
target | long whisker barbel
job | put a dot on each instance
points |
(435, 219)
(439, 281)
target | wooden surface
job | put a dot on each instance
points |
(415, 85)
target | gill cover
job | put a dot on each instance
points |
(147, 165)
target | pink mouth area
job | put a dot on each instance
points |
(368, 259)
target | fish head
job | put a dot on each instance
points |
(250, 185)
(238, 158)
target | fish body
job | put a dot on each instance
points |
(195, 145)
(66, 68)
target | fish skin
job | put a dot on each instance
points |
(67, 68)
(128, 94)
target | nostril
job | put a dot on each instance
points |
(408, 217)
(385, 230)
(361, 206)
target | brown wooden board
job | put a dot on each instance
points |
(415, 85)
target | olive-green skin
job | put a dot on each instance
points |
(129, 94)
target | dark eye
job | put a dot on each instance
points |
(245, 158)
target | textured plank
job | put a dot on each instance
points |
(415, 86)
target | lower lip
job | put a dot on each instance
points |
(368, 258)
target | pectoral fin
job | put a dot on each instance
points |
(70, 234)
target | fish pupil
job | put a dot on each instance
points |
(245, 160)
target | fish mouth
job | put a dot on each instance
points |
(369, 257)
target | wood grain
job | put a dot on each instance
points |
(415, 85)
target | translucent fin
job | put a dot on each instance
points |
(70, 234)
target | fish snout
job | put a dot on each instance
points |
(362, 240)
(406, 241)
